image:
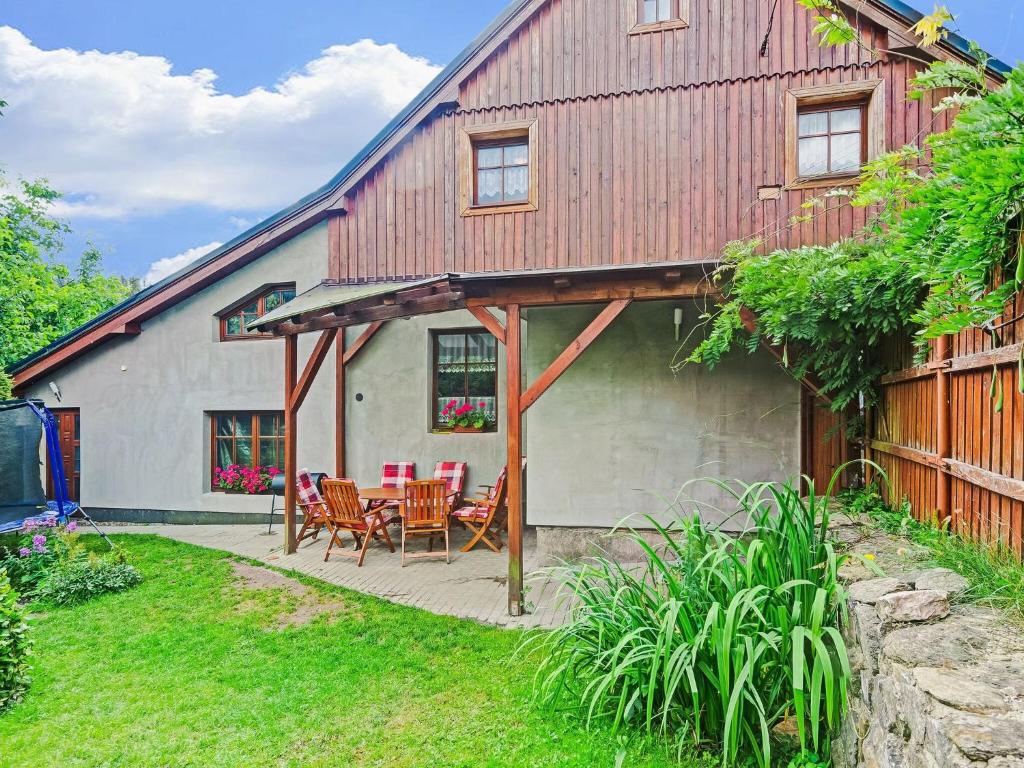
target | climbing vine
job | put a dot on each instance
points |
(943, 251)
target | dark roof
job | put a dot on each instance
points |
(336, 181)
(953, 40)
(909, 14)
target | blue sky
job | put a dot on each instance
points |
(170, 160)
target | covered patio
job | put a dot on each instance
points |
(331, 307)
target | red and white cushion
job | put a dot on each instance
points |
(305, 489)
(454, 475)
(396, 474)
(471, 513)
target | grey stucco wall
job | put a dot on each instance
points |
(392, 422)
(145, 430)
(619, 434)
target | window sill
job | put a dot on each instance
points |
(438, 431)
(817, 182)
(486, 210)
(659, 26)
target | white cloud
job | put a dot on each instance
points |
(123, 135)
(160, 269)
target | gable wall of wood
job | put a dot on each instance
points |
(652, 147)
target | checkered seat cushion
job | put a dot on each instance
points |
(306, 492)
(454, 475)
(481, 511)
(396, 474)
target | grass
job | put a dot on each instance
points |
(995, 573)
(191, 669)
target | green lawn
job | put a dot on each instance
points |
(198, 668)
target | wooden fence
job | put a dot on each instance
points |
(942, 442)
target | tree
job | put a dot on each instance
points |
(42, 299)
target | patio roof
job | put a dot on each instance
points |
(338, 305)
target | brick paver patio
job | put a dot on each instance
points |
(473, 586)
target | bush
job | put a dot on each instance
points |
(50, 563)
(717, 638)
(30, 556)
(15, 646)
(82, 579)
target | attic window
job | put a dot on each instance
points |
(234, 319)
(655, 15)
(498, 168)
(832, 131)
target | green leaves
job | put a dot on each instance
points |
(832, 27)
(718, 639)
(15, 646)
(831, 309)
(40, 299)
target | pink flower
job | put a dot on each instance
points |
(38, 540)
(483, 405)
(24, 552)
(72, 527)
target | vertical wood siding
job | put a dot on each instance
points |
(638, 176)
(574, 48)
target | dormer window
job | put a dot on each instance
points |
(656, 15)
(234, 319)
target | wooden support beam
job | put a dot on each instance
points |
(316, 359)
(573, 351)
(359, 343)
(514, 462)
(647, 289)
(339, 405)
(442, 302)
(291, 365)
(489, 321)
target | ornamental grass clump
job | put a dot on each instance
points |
(715, 638)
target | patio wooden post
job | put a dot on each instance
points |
(291, 365)
(513, 409)
(339, 404)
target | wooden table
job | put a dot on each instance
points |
(382, 494)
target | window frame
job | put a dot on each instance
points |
(259, 296)
(435, 333)
(254, 437)
(498, 144)
(678, 18)
(869, 94)
(829, 108)
(473, 137)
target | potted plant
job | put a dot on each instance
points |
(467, 418)
(251, 481)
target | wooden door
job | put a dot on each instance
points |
(69, 431)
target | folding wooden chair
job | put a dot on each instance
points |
(484, 516)
(425, 513)
(454, 474)
(346, 513)
(314, 510)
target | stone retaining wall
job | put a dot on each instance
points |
(937, 683)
